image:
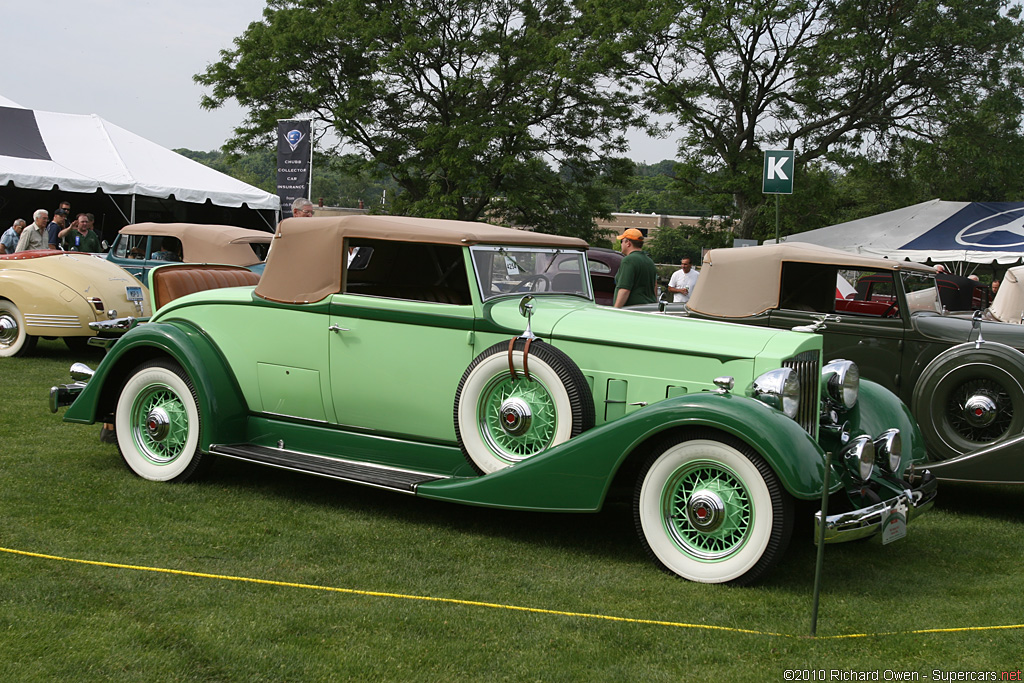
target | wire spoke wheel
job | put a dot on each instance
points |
(517, 418)
(980, 411)
(708, 508)
(501, 421)
(970, 397)
(157, 422)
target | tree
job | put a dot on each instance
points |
(827, 78)
(463, 103)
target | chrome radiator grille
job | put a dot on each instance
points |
(808, 369)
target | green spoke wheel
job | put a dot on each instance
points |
(501, 420)
(517, 418)
(157, 423)
(708, 508)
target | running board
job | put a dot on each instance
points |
(378, 476)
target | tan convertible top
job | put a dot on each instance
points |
(304, 263)
(208, 243)
(736, 283)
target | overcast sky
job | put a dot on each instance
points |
(132, 62)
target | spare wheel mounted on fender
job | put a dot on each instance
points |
(501, 420)
(970, 397)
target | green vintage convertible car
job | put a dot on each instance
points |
(453, 361)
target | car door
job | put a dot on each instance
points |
(396, 364)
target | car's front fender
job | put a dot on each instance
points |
(220, 399)
(879, 409)
(576, 475)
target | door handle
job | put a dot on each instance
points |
(335, 328)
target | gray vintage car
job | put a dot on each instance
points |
(961, 373)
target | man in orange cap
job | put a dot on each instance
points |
(636, 281)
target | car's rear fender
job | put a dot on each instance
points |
(576, 475)
(39, 296)
(220, 399)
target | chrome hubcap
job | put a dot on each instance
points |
(705, 510)
(980, 410)
(515, 416)
(8, 330)
(158, 424)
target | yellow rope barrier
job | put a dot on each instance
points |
(489, 605)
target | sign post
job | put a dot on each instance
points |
(294, 162)
(777, 179)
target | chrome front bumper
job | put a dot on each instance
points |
(866, 522)
(65, 394)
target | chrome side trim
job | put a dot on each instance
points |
(41, 320)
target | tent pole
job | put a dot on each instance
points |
(133, 209)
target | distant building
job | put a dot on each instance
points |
(650, 223)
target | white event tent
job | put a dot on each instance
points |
(936, 231)
(83, 153)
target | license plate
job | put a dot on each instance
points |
(133, 293)
(894, 524)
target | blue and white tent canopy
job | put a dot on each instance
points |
(937, 231)
(84, 153)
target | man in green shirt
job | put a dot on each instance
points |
(80, 236)
(636, 281)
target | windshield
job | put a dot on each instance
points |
(922, 294)
(533, 270)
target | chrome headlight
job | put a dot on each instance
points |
(889, 450)
(859, 456)
(841, 383)
(780, 389)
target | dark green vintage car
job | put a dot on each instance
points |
(961, 373)
(467, 363)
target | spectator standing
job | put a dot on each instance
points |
(53, 230)
(80, 236)
(682, 282)
(34, 235)
(9, 240)
(302, 208)
(637, 279)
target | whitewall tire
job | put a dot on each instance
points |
(157, 423)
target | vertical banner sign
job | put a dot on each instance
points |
(778, 171)
(294, 162)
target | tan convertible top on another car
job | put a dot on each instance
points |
(305, 261)
(227, 244)
(749, 278)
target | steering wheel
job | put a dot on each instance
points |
(533, 284)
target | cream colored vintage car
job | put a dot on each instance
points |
(48, 293)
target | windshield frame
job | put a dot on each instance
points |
(482, 256)
(915, 286)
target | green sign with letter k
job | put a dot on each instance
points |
(778, 171)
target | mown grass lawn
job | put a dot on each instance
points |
(66, 495)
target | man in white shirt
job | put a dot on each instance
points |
(682, 282)
(34, 235)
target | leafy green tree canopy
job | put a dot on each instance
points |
(464, 103)
(827, 78)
